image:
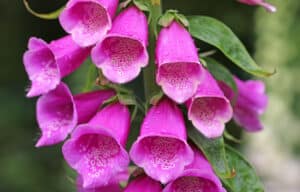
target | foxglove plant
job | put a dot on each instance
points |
(267, 6)
(186, 104)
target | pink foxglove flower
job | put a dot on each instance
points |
(88, 21)
(161, 149)
(58, 112)
(179, 69)
(123, 53)
(198, 176)
(114, 187)
(209, 109)
(143, 183)
(46, 63)
(262, 3)
(96, 150)
(251, 102)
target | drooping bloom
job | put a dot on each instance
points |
(88, 21)
(96, 150)
(179, 69)
(161, 148)
(269, 7)
(114, 187)
(143, 183)
(251, 102)
(209, 109)
(123, 53)
(58, 112)
(198, 176)
(46, 64)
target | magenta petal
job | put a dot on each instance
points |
(114, 187)
(143, 183)
(56, 115)
(95, 150)
(88, 21)
(198, 176)
(209, 109)
(46, 64)
(251, 103)
(87, 104)
(269, 7)
(179, 72)
(161, 148)
(123, 53)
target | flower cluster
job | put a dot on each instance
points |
(95, 137)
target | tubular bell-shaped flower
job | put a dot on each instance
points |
(143, 183)
(209, 109)
(179, 69)
(114, 187)
(58, 112)
(161, 149)
(46, 63)
(96, 150)
(250, 104)
(88, 21)
(269, 7)
(123, 53)
(198, 176)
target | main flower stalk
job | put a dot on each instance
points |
(150, 86)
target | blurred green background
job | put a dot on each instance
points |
(273, 39)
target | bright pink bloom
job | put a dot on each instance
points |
(114, 187)
(179, 69)
(262, 3)
(143, 183)
(251, 102)
(209, 109)
(198, 176)
(58, 112)
(123, 53)
(161, 149)
(46, 63)
(88, 21)
(96, 150)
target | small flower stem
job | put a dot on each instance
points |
(150, 86)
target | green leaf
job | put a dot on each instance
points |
(245, 178)
(171, 15)
(216, 33)
(214, 150)
(143, 5)
(48, 16)
(221, 73)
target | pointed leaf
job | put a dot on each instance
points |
(213, 149)
(220, 73)
(245, 178)
(216, 33)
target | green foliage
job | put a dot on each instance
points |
(49, 16)
(170, 16)
(234, 171)
(245, 178)
(220, 73)
(216, 33)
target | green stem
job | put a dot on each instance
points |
(149, 73)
